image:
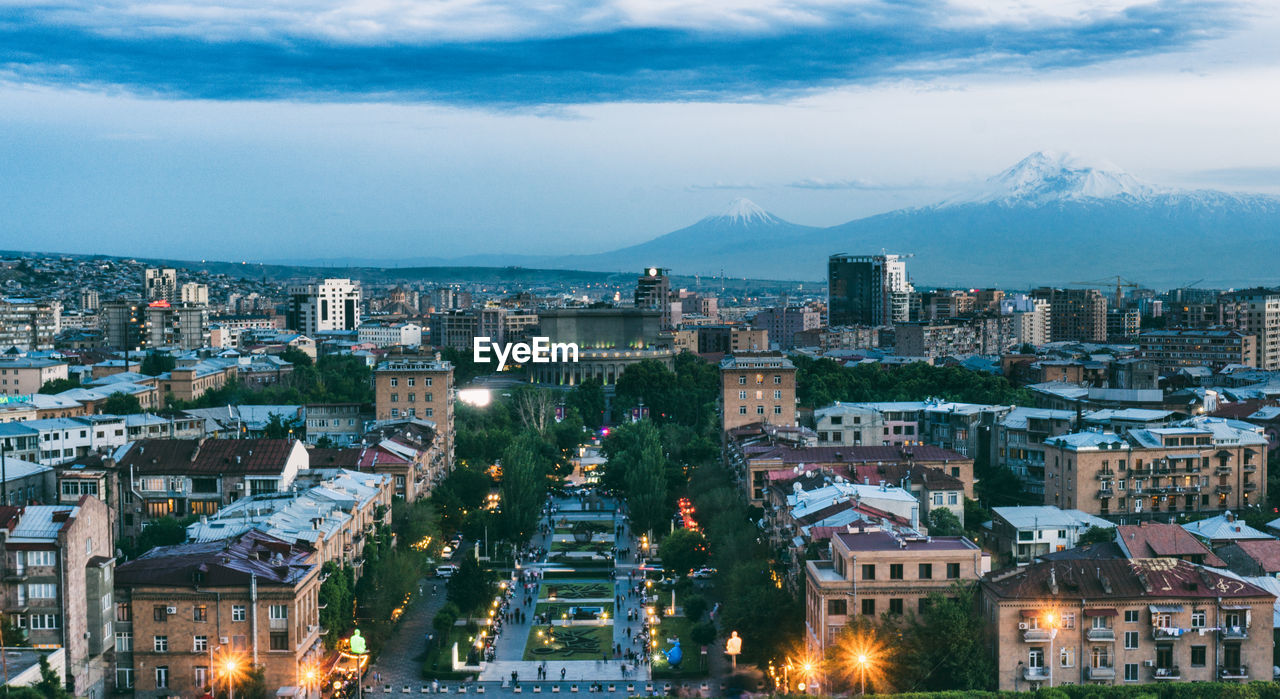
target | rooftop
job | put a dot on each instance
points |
(1103, 580)
(1047, 517)
(885, 541)
(219, 563)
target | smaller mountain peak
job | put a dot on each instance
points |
(746, 212)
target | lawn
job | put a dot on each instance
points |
(439, 665)
(690, 666)
(591, 546)
(569, 590)
(569, 643)
(555, 609)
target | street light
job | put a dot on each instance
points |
(862, 661)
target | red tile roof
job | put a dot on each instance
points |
(207, 456)
(1265, 552)
(1164, 540)
(1116, 579)
(220, 563)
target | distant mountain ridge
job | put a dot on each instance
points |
(1051, 218)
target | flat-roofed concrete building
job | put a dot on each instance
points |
(1213, 348)
(757, 387)
(25, 375)
(873, 572)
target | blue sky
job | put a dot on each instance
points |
(264, 129)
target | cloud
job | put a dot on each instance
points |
(513, 54)
(1260, 176)
(721, 186)
(856, 183)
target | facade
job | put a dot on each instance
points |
(653, 292)
(728, 339)
(22, 376)
(848, 423)
(333, 304)
(872, 572)
(1122, 325)
(868, 290)
(839, 338)
(342, 423)
(124, 324)
(1078, 315)
(866, 464)
(1257, 312)
(1213, 348)
(25, 482)
(182, 609)
(160, 285)
(1125, 621)
(1025, 533)
(782, 324)
(1018, 442)
(757, 387)
(417, 387)
(391, 335)
(1031, 323)
(1200, 465)
(609, 340)
(58, 562)
(28, 324)
(195, 294)
(185, 327)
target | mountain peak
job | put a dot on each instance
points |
(1050, 176)
(745, 212)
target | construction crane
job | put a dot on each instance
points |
(1120, 282)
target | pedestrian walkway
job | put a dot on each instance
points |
(400, 663)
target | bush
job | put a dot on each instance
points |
(695, 607)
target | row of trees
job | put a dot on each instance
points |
(820, 382)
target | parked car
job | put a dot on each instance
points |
(704, 573)
(446, 571)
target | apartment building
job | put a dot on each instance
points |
(858, 464)
(1257, 312)
(20, 376)
(417, 387)
(1199, 465)
(729, 339)
(332, 304)
(839, 338)
(29, 324)
(1025, 533)
(160, 284)
(184, 326)
(57, 564)
(1075, 314)
(182, 610)
(1125, 621)
(848, 424)
(1214, 348)
(757, 387)
(390, 334)
(868, 290)
(873, 572)
(1018, 441)
(341, 423)
(782, 324)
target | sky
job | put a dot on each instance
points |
(386, 129)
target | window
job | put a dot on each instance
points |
(160, 644)
(1066, 658)
(395, 397)
(1197, 618)
(124, 678)
(953, 499)
(742, 410)
(868, 571)
(742, 381)
(279, 640)
(1069, 621)
(868, 607)
(777, 395)
(40, 558)
(201, 675)
(953, 571)
(395, 412)
(895, 571)
(895, 606)
(42, 591)
(200, 644)
(922, 604)
(1130, 672)
(42, 622)
(1198, 656)
(413, 397)
(412, 381)
(777, 410)
(759, 410)
(777, 379)
(394, 382)
(1131, 616)
(162, 677)
(279, 612)
(426, 381)
(124, 641)
(200, 613)
(926, 571)
(237, 612)
(837, 606)
(1130, 640)
(1035, 657)
(742, 395)
(123, 613)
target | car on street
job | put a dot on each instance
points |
(704, 573)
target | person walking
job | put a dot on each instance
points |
(562, 671)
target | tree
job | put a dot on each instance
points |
(471, 586)
(766, 616)
(703, 633)
(684, 550)
(1096, 535)
(536, 408)
(588, 397)
(10, 635)
(337, 595)
(50, 685)
(296, 357)
(53, 386)
(523, 487)
(119, 403)
(945, 646)
(944, 522)
(646, 480)
(155, 364)
(694, 607)
(277, 428)
(165, 531)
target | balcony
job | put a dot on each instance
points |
(278, 624)
(1105, 475)
(1161, 633)
(1250, 487)
(1166, 673)
(1100, 634)
(1106, 492)
(1249, 468)
(1101, 672)
(1240, 672)
(1222, 470)
(1234, 633)
(1035, 674)
(1036, 635)
(1222, 489)
(15, 574)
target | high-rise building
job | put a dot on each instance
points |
(89, 300)
(333, 304)
(1123, 325)
(1257, 312)
(185, 327)
(1075, 314)
(124, 322)
(868, 290)
(653, 291)
(1031, 319)
(782, 324)
(29, 324)
(195, 293)
(160, 285)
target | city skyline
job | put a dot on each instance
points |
(134, 130)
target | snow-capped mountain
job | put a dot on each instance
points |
(744, 212)
(1046, 176)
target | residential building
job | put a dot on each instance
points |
(20, 376)
(391, 334)
(194, 294)
(1125, 621)
(29, 324)
(160, 285)
(407, 450)
(870, 290)
(56, 584)
(66, 438)
(1025, 533)
(89, 300)
(184, 327)
(866, 464)
(1257, 312)
(332, 304)
(873, 572)
(783, 323)
(1075, 314)
(1214, 348)
(18, 441)
(757, 387)
(1163, 540)
(848, 424)
(417, 387)
(936, 340)
(1122, 325)
(124, 323)
(341, 423)
(25, 482)
(1252, 557)
(831, 338)
(1018, 442)
(653, 292)
(1199, 465)
(729, 339)
(181, 609)
(1223, 529)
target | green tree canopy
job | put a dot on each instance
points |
(944, 522)
(472, 586)
(119, 403)
(155, 364)
(945, 647)
(523, 486)
(645, 476)
(53, 386)
(1096, 535)
(588, 397)
(684, 550)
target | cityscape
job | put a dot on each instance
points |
(782, 348)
